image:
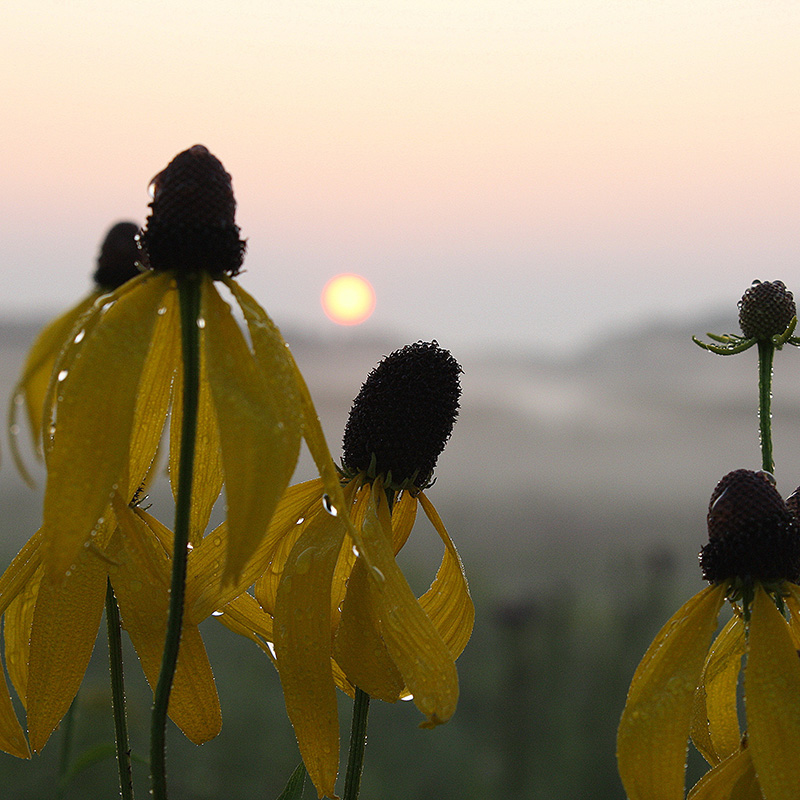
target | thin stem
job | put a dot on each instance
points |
(358, 743)
(189, 290)
(118, 694)
(766, 351)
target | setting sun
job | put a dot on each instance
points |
(348, 299)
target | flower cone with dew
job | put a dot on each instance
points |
(683, 687)
(119, 261)
(339, 610)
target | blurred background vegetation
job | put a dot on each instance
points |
(576, 492)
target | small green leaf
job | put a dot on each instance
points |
(294, 788)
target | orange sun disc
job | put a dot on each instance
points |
(348, 299)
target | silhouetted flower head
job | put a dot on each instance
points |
(403, 416)
(119, 257)
(752, 533)
(191, 227)
(766, 309)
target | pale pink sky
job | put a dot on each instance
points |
(500, 171)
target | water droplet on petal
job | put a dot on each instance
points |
(161, 311)
(328, 506)
(79, 336)
(217, 613)
(201, 323)
(189, 547)
(300, 521)
(62, 375)
(355, 551)
(378, 575)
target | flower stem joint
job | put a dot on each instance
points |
(403, 416)
(191, 228)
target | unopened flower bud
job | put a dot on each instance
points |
(765, 310)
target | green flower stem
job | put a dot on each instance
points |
(358, 726)
(68, 729)
(358, 743)
(189, 296)
(118, 694)
(766, 352)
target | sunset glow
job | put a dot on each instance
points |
(348, 299)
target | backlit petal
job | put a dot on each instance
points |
(65, 623)
(448, 603)
(772, 700)
(31, 389)
(259, 443)
(94, 418)
(417, 649)
(141, 584)
(303, 646)
(715, 719)
(654, 729)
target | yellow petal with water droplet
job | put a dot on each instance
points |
(772, 700)
(732, 779)
(259, 441)
(654, 730)
(94, 418)
(417, 649)
(193, 704)
(64, 629)
(302, 630)
(448, 603)
(35, 378)
(715, 719)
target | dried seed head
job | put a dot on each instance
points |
(191, 228)
(752, 534)
(403, 416)
(765, 310)
(119, 257)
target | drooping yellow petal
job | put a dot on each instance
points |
(448, 603)
(12, 737)
(94, 417)
(772, 700)
(715, 719)
(404, 514)
(654, 730)
(155, 390)
(417, 649)
(20, 570)
(141, 584)
(207, 472)
(64, 629)
(358, 646)
(17, 633)
(302, 630)
(259, 442)
(732, 779)
(245, 617)
(31, 389)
